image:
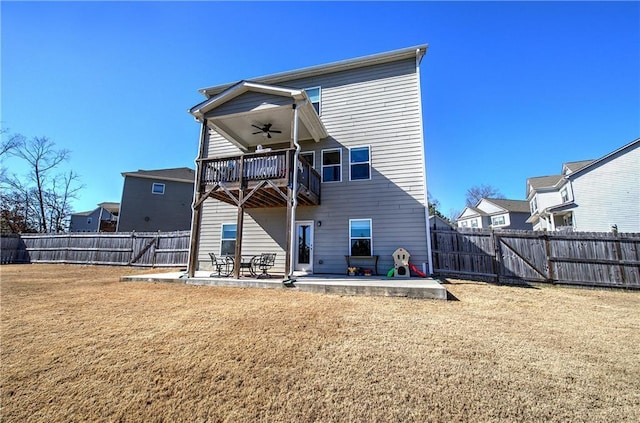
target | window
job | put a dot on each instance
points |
(332, 165)
(359, 163)
(497, 220)
(314, 96)
(474, 223)
(464, 224)
(360, 237)
(228, 242)
(157, 188)
(89, 220)
(534, 205)
(564, 194)
(310, 157)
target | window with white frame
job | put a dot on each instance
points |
(157, 188)
(359, 163)
(228, 239)
(89, 220)
(497, 220)
(464, 224)
(474, 223)
(360, 239)
(310, 157)
(534, 205)
(564, 194)
(314, 94)
(332, 165)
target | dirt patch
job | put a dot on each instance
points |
(78, 345)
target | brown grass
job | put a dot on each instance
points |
(78, 345)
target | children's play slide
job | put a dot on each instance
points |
(412, 267)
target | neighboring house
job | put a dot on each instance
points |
(496, 213)
(591, 195)
(157, 200)
(102, 219)
(347, 136)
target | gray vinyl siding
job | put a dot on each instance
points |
(170, 211)
(247, 102)
(609, 194)
(376, 106)
(79, 223)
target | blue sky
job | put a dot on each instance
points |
(510, 90)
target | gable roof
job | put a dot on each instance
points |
(111, 207)
(633, 144)
(179, 174)
(417, 52)
(538, 182)
(516, 206)
(574, 166)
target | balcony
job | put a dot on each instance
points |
(263, 178)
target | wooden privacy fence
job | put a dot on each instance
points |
(152, 249)
(578, 258)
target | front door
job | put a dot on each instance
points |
(304, 246)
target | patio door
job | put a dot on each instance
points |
(304, 246)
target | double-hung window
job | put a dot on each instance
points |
(315, 97)
(359, 163)
(157, 188)
(332, 165)
(497, 220)
(564, 194)
(228, 239)
(360, 239)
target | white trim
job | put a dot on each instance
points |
(153, 186)
(311, 224)
(370, 233)
(367, 162)
(222, 225)
(322, 165)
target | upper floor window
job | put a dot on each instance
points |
(228, 239)
(157, 188)
(533, 205)
(89, 220)
(332, 165)
(474, 223)
(497, 220)
(464, 224)
(359, 163)
(564, 194)
(315, 97)
(310, 157)
(360, 237)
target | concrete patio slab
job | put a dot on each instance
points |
(325, 284)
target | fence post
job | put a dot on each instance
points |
(547, 251)
(497, 254)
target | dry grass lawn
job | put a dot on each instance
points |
(78, 345)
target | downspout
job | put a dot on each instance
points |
(419, 56)
(294, 190)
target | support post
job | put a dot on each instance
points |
(239, 223)
(196, 212)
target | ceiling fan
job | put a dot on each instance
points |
(266, 130)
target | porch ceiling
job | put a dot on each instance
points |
(260, 104)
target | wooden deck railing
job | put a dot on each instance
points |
(271, 165)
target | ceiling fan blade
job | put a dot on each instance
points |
(268, 135)
(259, 132)
(275, 132)
(256, 126)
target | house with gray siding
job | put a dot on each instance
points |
(495, 213)
(316, 165)
(590, 195)
(104, 218)
(157, 200)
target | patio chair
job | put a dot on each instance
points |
(220, 263)
(264, 262)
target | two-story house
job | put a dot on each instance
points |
(590, 195)
(156, 200)
(495, 213)
(104, 218)
(314, 165)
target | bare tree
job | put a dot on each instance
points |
(10, 144)
(478, 192)
(40, 200)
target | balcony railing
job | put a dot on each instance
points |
(248, 170)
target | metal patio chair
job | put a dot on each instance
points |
(222, 265)
(264, 262)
